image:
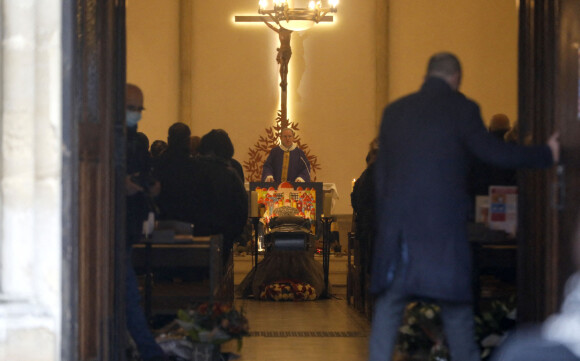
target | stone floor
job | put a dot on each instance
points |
(326, 329)
(307, 331)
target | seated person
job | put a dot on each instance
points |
(286, 162)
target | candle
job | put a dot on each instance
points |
(353, 182)
(254, 204)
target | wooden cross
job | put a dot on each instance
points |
(283, 56)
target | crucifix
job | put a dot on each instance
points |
(284, 20)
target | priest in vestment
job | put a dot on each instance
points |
(286, 162)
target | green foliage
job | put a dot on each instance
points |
(422, 330)
(214, 323)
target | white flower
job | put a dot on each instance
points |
(492, 340)
(406, 330)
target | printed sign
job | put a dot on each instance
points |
(503, 208)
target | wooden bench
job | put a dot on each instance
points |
(166, 296)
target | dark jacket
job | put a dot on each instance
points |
(362, 200)
(138, 205)
(425, 145)
(207, 192)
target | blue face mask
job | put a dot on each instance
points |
(132, 118)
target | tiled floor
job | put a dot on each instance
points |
(316, 330)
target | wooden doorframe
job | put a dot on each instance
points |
(93, 198)
(69, 328)
(544, 262)
(535, 106)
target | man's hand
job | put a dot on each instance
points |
(299, 179)
(269, 179)
(155, 189)
(132, 187)
(554, 144)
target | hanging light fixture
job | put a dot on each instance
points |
(296, 18)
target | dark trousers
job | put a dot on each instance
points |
(458, 324)
(136, 321)
(529, 345)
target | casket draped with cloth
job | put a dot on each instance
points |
(288, 262)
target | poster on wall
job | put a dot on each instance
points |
(503, 208)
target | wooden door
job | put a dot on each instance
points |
(548, 100)
(93, 166)
(566, 194)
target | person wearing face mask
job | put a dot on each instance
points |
(286, 162)
(140, 188)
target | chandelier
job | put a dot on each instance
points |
(296, 19)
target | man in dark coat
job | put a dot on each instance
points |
(421, 249)
(139, 186)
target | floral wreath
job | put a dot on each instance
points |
(288, 290)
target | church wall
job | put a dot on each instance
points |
(337, 77)
(482, 33)
(153, 62)
(331, 90)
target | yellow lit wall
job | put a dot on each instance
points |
(483, 33)
(336, 70)
(153, 62)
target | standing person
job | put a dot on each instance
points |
(157, 148)
(362, 199)
(172, 169)
(499, 125)
(421, 249)
(220, 203)
(139, 186)
(218, 143)
(286, 162)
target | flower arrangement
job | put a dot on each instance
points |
(421, 334)
(214, 323)
(492, 324)
(288, 290)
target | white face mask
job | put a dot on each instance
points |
(132, 118)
